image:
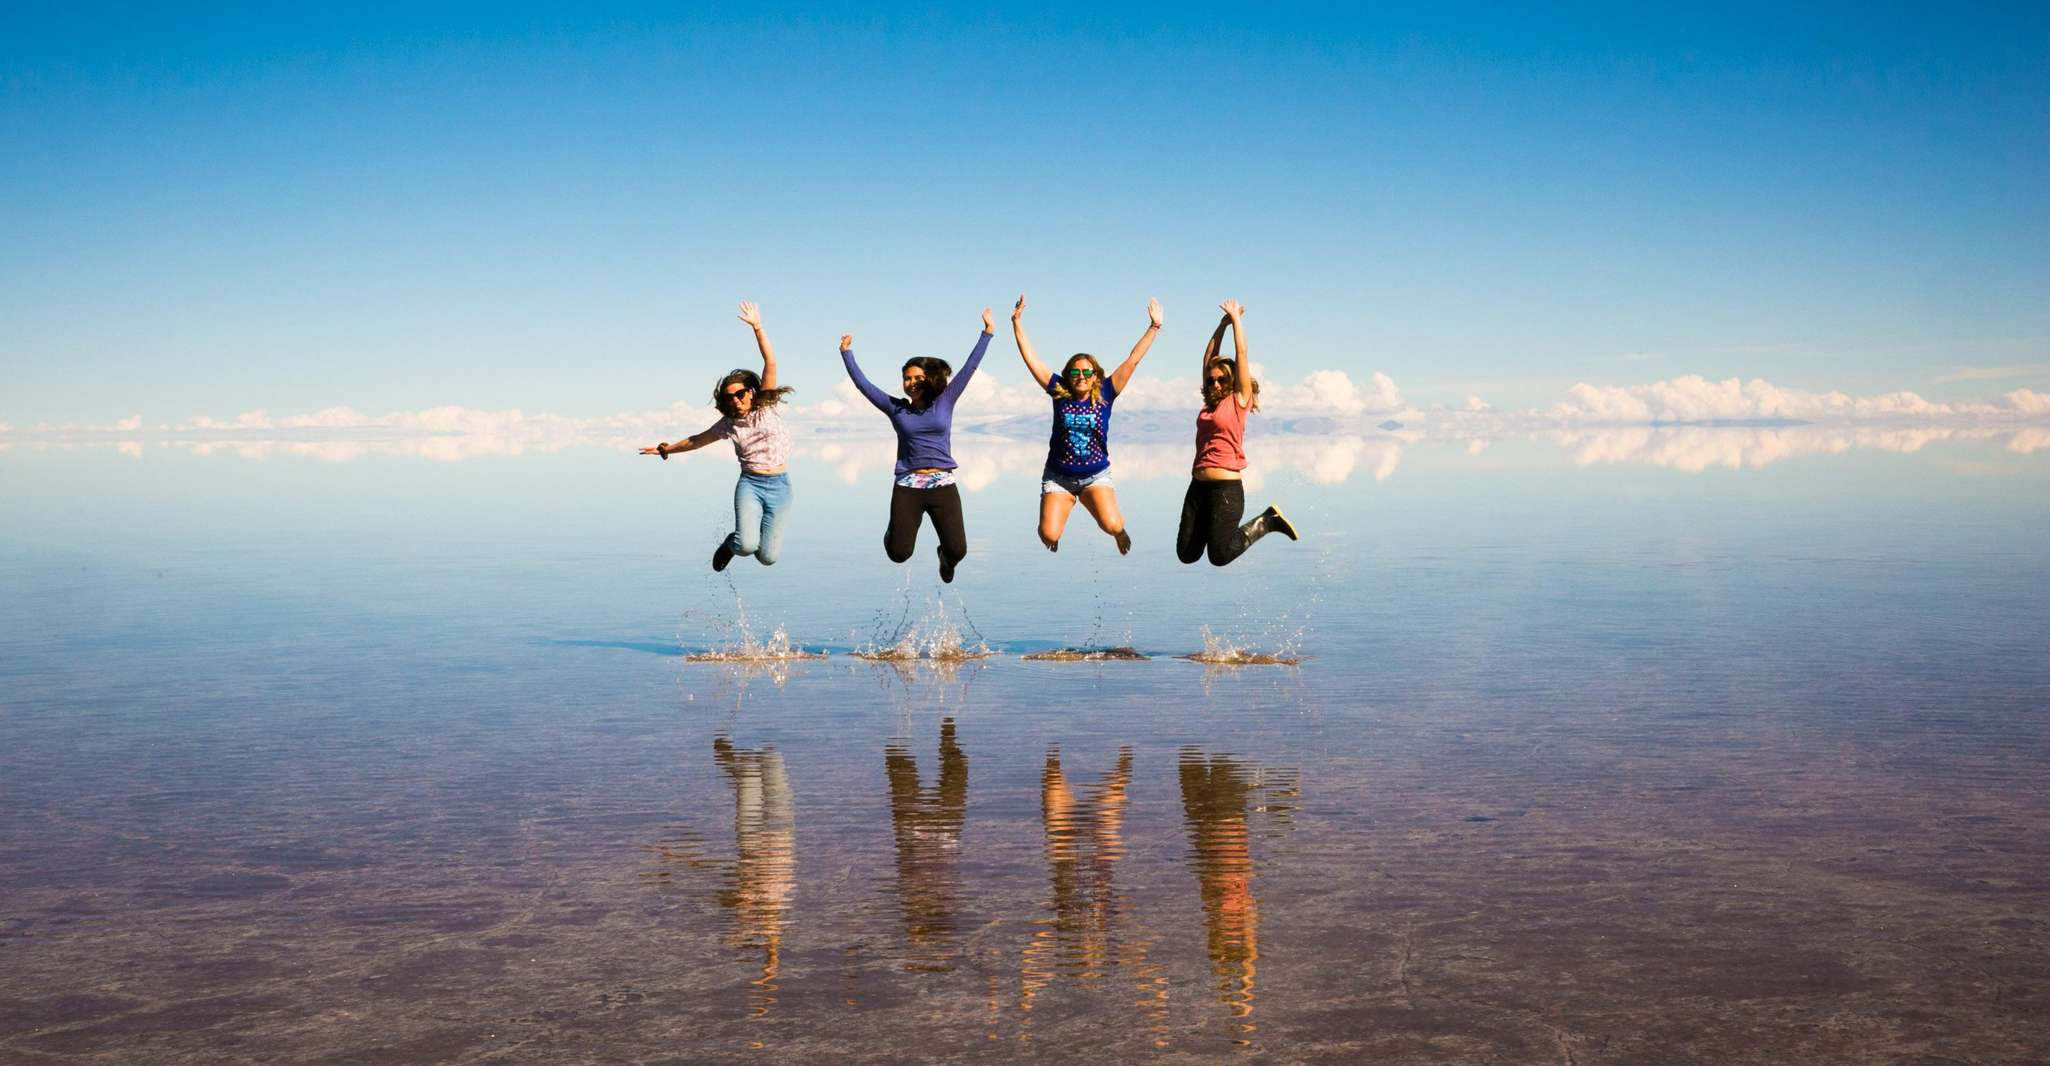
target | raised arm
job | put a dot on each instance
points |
(1033, 366)
(1125, 369)
(688, 444)
(1216, 339)
(961, 376)
(1236, 312)
(876, 396)
(752, 315)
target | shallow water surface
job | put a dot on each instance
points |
(1584, 761)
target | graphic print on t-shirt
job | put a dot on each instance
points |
(1081, 425)
(1079, 444)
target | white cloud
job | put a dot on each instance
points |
(1696, 399)
(2029, 401)
(1330, 392)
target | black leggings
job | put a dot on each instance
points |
(907, 506)
(1210, 520)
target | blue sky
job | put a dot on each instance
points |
(207, 212)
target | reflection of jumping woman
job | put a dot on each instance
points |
(1216, 496)
(1078, 454)
(747, 404)
(924, 420)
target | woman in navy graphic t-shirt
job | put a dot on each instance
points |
(1078, 452)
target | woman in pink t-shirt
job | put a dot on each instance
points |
(1217, 495)
(748, 417)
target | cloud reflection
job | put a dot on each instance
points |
(1693, 449)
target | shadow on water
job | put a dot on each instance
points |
(668, 647)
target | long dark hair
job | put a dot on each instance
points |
(937, 373)
(1230, 384)
(753, 381)
(1095, 390)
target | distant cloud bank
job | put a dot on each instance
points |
(1696, 399)
(1326, 427)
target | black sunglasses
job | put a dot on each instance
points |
(741, 391)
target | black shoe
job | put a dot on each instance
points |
(721, 556)
(1279, 524)
(946, 565)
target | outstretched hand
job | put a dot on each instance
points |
(1018, 311)
(750, 314)
(659, 449)
(1233, 309)
(1153, 312)
(989, 321)
(846, 342)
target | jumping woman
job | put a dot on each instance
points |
(924, 420)
(1217, 497)
(747, 405)
(1078, 452)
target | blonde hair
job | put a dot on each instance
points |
(1061, 390)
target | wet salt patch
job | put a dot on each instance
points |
(1090, 655)
(1244, 658)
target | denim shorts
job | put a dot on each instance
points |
(1054, 481)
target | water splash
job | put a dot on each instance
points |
(1218, 651)
(744, 646)
(933, 637)
(775, 648)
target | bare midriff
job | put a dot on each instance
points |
(771, 470)
(929, 470)
(1217, 473)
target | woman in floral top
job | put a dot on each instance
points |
(747, 405)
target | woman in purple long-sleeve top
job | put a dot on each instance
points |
(924, 420)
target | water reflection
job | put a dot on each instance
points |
(758, 883)
(1089, 932)
(1219, 795)
(927, 823)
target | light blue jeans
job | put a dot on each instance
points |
(759, 502)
